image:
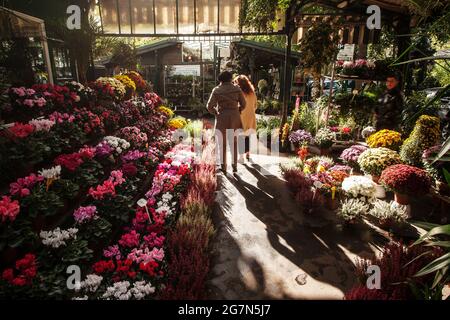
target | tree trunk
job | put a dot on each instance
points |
(316, 88)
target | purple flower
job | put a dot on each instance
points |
(103, 149)
(132, 155)
(351, 155)
(300, 137)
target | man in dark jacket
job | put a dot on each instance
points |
(390, 105)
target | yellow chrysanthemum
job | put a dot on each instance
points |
(177, 123)
(166, 110)
(385, 138)
(127, 82)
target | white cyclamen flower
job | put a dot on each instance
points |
(140, 290)
(57, 237)
(52, 173)
(118, 291)
(91, 283)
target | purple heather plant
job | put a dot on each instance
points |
(351, 155)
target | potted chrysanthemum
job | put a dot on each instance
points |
(324, 140)
(406, 181)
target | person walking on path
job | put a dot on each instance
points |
(248, 116)
(226, 102)
(390, 105)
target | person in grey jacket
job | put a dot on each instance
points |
(226, 103)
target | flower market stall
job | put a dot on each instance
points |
(92, 180)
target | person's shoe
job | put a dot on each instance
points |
(234, 168)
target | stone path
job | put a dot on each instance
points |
(266, 248)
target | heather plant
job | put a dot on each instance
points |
(398, 265)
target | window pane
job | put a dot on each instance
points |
(109, 16)
(124, 12)
(142, 11)
(207, 15)
(186, 16)
(229, 15)
(165, 16)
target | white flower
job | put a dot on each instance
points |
(85, 297)
(118, 291)
(142, 202)
(141, 289)
(52, 173)
(57, 237)
(359, 186)
(91, 283)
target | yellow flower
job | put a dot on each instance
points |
(177, 123)
(166, 110)
(127, 82)
(385, 138)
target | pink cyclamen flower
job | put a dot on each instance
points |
(19, 91)
(112, 252)
(28, 102)
(83, 214)
(40, 102)
(30, 92)
(9, 209)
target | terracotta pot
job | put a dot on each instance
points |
(402, 199)
(375, 179)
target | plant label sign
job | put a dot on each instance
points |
(347, 53)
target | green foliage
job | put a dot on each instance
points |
(426, 134)
(440, 265)
(124, 56)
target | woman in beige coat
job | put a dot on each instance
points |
(226, 103)
(248, 116)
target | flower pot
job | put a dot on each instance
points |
(375, 179)
(331, 204)
(402, 199)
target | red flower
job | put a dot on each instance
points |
(346, 130)
(103, 266)
(149, 267)
(406, 179)
(69, 161)
(21, 130)
(8, 274)
(129, 169)
(130, 240)
(26, 269)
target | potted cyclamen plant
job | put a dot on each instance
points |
(406, 181)
(324, 140)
